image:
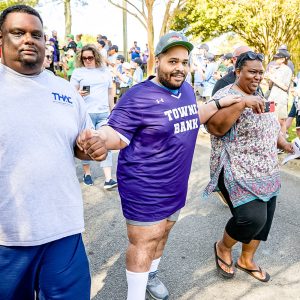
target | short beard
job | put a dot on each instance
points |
(166, 83)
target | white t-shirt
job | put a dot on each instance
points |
(40, 197)
(99, 80)
(282, 74)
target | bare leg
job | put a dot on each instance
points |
(224, 248)
(282, 123)
(86, 169)
(143, 242)
(162, 243)
(107, 173)
(247, 255)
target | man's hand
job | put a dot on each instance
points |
(229, 100)
(256, 103)
(92, 143)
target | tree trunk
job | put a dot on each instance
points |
(68, 17)
(150, 33)
(165, 23)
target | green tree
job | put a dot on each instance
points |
(5, 4)
(262, 24)
(143, 11)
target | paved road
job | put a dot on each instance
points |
(188, 267)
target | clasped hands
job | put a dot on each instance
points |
(92, 143)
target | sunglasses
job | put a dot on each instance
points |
(49, 57)
(248, 55)
(89, 58)
(253, 55)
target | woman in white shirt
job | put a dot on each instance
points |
(94, 83)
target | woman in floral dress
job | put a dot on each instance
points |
(244, 167)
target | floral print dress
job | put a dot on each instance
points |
(248, 154)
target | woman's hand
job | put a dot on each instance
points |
(229, 100)
(288, 147)
(256, 103)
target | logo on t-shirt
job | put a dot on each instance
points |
(183, 112)
(63, 99)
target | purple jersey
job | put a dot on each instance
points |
(153, 170)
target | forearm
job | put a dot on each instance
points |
(223, 120)
(111, 138)
(110, 100)
(281, 142)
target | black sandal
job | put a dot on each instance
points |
(222, 273)
(251, 272)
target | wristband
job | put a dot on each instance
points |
(218, 105)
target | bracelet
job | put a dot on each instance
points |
(218, 105)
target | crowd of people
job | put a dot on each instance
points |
(212, 73)
(154, 125)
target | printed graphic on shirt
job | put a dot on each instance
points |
(63, 99)
(180, 113)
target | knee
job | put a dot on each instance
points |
(252, 222)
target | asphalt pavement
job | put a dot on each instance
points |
(188, 267)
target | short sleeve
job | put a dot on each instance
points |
(127, 116)
(75, 79)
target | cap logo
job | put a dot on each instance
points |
(174, 38)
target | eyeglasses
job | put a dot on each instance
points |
(49, 57)
(89, 58)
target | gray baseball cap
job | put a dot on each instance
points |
(172, 39)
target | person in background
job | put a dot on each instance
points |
(70, 43)
(134, 51)
(101, 49)
(231, 76)
(118, 70)
(198, 63)
(295, 109)
(280, 76)
(125, 78)
(145, 56)
(68, 63)
(209, 79)
(94, 83)
(137, 76)
(48, 61)
(79, 42)
(228, 62)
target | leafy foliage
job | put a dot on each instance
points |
(5, 4)
(263, 24)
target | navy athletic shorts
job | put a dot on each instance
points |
(56, 270)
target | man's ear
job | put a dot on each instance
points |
(1, 36)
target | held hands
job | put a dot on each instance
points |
(92, 143)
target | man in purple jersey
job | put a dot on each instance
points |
(155, 124)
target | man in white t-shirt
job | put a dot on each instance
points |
(41, 249)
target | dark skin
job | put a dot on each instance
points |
(249, 77)
(23, 50)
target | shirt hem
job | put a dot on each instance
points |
(43, 241)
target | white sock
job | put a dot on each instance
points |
(137, 283)
(154, 265)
